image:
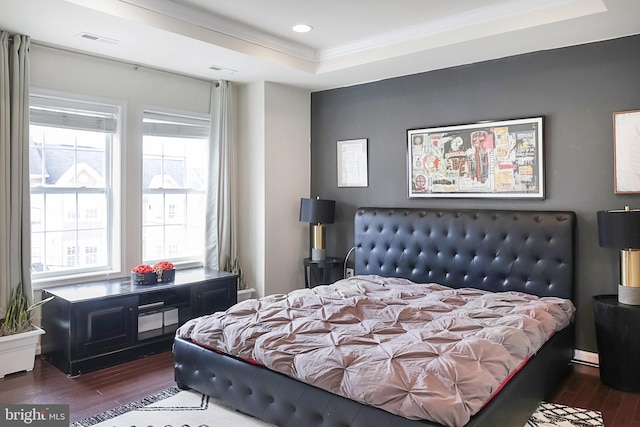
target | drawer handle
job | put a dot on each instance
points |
(151, 305)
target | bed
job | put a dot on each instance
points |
(498, 251)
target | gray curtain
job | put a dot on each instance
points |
(221, 240)
(15, 223)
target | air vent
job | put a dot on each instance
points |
(222, 69)
(97, 38)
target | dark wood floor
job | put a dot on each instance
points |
(93, 392)
(109, 388)
(584, 389)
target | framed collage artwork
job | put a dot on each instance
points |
(500, 159)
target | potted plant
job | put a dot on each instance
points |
(18, 335)
(233, 266)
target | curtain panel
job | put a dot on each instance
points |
(221, 240)
(15, 227)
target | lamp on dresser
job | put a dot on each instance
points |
(620, 229)
(317, 212)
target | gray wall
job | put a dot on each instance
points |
(576, 89)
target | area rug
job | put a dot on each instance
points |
(179, 408)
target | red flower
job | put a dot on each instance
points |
(143, 269)
(163, 265)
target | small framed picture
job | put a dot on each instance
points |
(352, 163)
(626, 152)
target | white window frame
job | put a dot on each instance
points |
(197, 120)
(126, 248)
(114, 194)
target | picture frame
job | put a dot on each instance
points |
(352, 163)
(626, 152)
(496, 159)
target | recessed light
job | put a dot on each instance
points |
(302, 28)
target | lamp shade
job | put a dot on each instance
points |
(619, 229)
(317, 211)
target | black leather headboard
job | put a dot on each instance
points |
(526, 251)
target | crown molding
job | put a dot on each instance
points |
(466, 21)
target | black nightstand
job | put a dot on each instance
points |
(618, 341)
(322, 272)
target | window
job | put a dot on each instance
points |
(72, 261)
(71, 146)
(91, 213)
(91, 255)
(174, 180)
(171, 211)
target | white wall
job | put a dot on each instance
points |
(251, 187)
(288, 178)
(274, 173)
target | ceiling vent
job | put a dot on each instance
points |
(222, 69)
(97, 38)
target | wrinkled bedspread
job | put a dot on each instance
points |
(421, 351)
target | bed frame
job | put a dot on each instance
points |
(528, 251)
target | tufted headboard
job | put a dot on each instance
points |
(526, 251)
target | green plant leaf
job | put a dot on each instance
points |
(18, 316)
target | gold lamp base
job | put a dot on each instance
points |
(317, 243)
(630, 267)
(629, 289)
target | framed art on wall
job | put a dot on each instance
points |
(500, 159)
(626, 152)
(352, 163)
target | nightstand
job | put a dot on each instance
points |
(618, 341)
(322, 272)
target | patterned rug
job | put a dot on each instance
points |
(178, 408)
(554, 414)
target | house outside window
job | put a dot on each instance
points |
(171, 211)
(91, 213)
(72, 253)
(174, 181)
(71, 167)
(91, 255)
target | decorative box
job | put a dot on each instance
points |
(168, 275)
(144, 279)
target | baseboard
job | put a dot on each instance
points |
(586, 358)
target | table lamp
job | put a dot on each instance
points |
(317, 212)
(620, 229)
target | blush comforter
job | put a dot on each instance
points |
(421, 351)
